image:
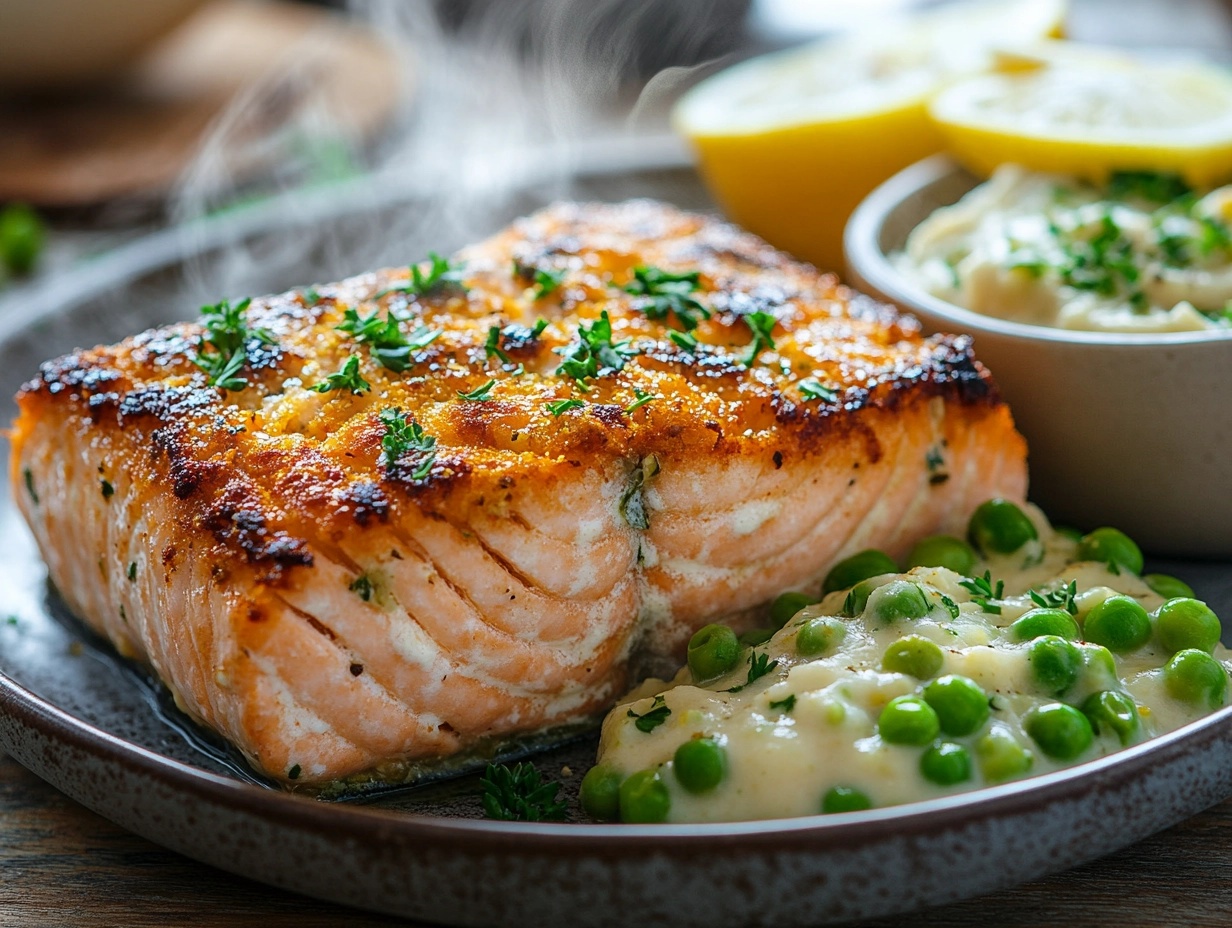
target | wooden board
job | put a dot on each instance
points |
(237, 74)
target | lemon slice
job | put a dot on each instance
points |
(790, 143)
(1091, 115)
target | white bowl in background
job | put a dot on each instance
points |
(1128, 430)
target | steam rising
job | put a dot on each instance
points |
(520, 95)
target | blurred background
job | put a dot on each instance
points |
(118, 120)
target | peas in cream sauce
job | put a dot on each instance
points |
(1143, 254)
(912, 685)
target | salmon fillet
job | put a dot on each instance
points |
(346, 583)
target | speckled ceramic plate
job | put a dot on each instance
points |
(94, 727)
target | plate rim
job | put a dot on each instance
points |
(32, 711)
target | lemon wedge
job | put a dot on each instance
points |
(789, 143)
(1089, 115)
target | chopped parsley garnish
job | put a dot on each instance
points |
(492, 348)
(539, 326)
(403, 437)
(759, 665)
(228, 334)
(518, 794)
(310, 297)
(761, 325)
(640, 399)
(663, 292)
(385, 339)
(595, 353)
(983, 591)
(812, 389)
(479, 394)
(362, 587)
(107, 488)
(28, 476)
(1154, 186)
(548, 281)
(950, 606)
(786, 704)
(348, 378)
(556, 407)
(1058, 599)
(1103, 263)
(132, 571)
(685, 340)
(441, 275)
(632, 505)
(653, 717)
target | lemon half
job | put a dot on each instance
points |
(789, 143)
(1094, 115)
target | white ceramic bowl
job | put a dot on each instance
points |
(1128, 430)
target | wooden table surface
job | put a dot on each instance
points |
(61, 865)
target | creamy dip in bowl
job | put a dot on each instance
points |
(1144, 254)
(1126, 428)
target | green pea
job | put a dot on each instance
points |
(21, 238)
(700, 764)
(943, 551)
(713, 651)
(1167, 587)
(1001, 757)
(852, 570)
(1055, 664)
(845, 799)
(1061, 731)
(1187, 623)
(1111, 547)
(644, 798)
(1099, 666)
(1040, 622)
(899, 599)
(1194, 676)
(755, 636)
(785, 607)
(908, 720)
(914, 655)
(1115, 711)
(946, 763)
(961, 705)
(857, 597)
(600, 793)
(1119, 623)
(1000, 527)
(818, 636)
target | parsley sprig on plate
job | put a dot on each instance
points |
(518, 794)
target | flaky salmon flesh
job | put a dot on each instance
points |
(422, 512)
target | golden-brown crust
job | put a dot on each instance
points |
(263, 469)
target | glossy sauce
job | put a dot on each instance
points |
(783, 755)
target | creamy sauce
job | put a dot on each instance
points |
(1046, 250)
(811, 725)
